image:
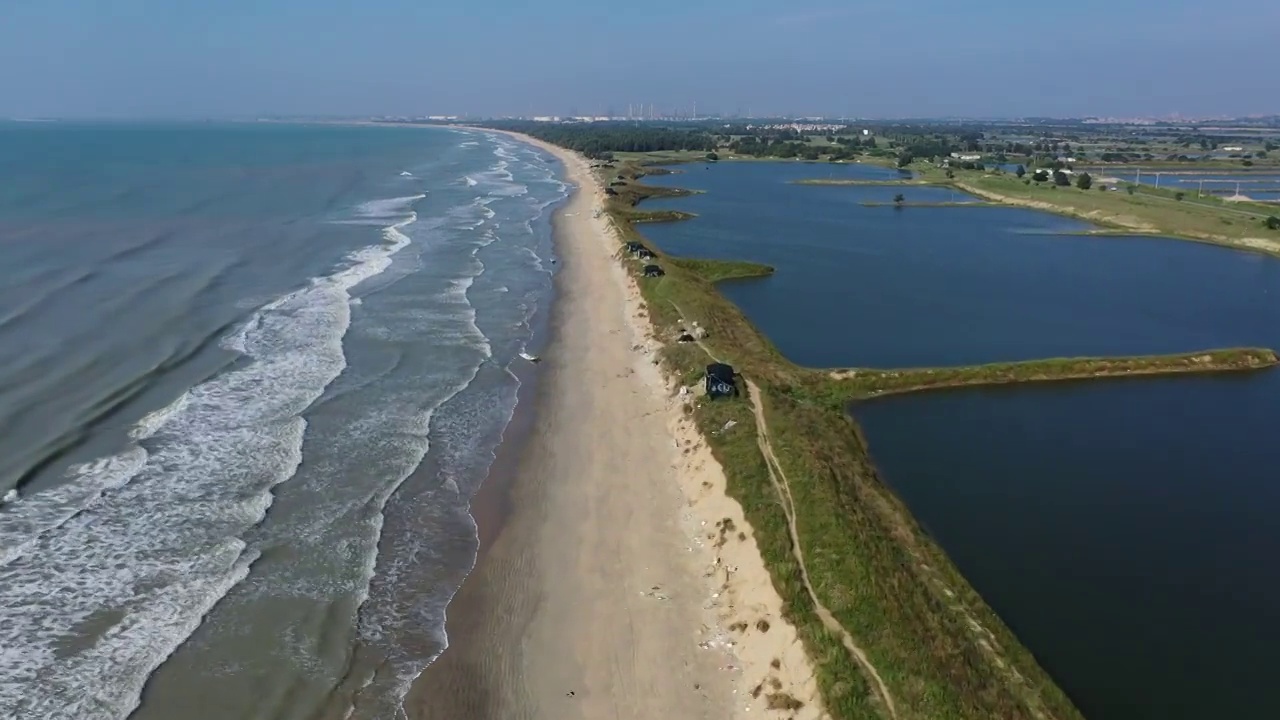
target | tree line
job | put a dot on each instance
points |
(600, 140)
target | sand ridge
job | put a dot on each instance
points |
(745, 611)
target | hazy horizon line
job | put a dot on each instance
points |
(260, 117)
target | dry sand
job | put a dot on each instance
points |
(607, 593)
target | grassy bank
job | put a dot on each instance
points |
(1145, 211)
(843, 385)
(721, 270)
(943, 653)
(653, 216)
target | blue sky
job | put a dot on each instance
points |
(189, 58)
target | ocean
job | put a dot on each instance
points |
(250, 377)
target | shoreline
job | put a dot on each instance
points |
(844, 518)
(605, 592)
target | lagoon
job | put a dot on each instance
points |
(934, 286)
(1123, 529)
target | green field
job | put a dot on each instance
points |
(1145, 211)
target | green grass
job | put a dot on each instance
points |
(663, 156)
(842, 385)
(943, 652)
(1143, 211)
(721, 270)
(1148, 211)
(653, 216)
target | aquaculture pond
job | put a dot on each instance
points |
(1123, 529)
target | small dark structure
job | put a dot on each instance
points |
(686, 338)
(720, 381)
(653, 271)
(644, 253)
(617, 183)
(610, 191)
(633, 247)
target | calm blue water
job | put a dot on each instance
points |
(250, 376)
(1125, 530)
(923, 286)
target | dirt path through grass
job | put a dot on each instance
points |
(783, 488)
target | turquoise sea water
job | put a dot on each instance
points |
(250, 376)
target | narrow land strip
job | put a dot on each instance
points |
(783, 487)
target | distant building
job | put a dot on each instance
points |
(960, 156)
(1233, 148)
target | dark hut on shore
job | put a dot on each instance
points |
(644, 253)
(653, 271)
(721, 381)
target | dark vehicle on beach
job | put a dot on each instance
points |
(721, 381)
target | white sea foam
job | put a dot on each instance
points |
(385, 618)
(142, 545)
(102, 577)
(537, 259)
(470, 182)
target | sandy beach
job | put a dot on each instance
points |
(604, 593)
